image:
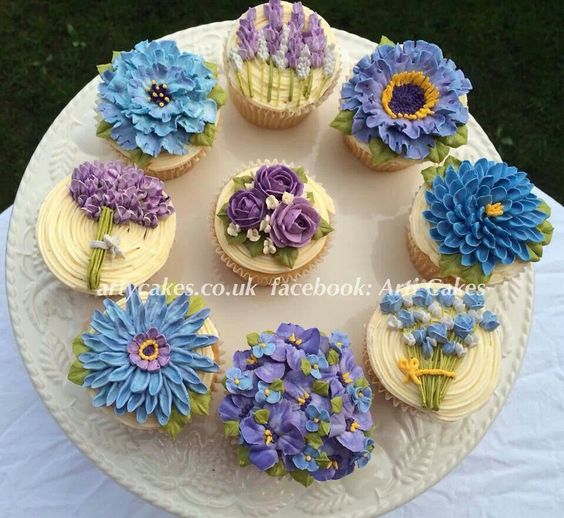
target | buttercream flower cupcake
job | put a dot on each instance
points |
(480, 223)
(151, 357)
(403, 105)
(435, 348)
(281, 63)
(159, 107)
(104, 227)
(298, 404)
(272, 222)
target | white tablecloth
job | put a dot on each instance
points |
(517, 470)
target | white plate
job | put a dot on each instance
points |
(198, 475)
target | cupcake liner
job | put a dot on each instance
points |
(396, 164)
(425, 267)
(261, 278)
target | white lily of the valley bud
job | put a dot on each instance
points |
(330, 61)
(262, 52)
(394, 323)
(407, 301)
(409, 339)
(233, 229)
(268, 247)
(459, 306)
(476, 315)
(287, 198)
(471, 340)
(265, 224)
(435, 309)
(422, 316)
(272, 202)
(448, 322)
(253, 235)
(459, 349)
(236, 59)
(304, 63)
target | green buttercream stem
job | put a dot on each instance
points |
(270, 78)
(299, 92)
(249, 79)
(105, 224)
(262, 80)
(279, 81)
(240, 79)
(291, 90)
(309, 83)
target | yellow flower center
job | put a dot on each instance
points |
(296, 341)
(267, 436)
(266, 392)
(354, 426)
(236, 381)
(262, 345)
(251, 360)
(149, 350)
(347, 377)
(302, 399)
(494, 209)
(316, 419)
(415, 78)
(308, 457)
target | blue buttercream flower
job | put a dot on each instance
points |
(463, 325)
(407, 96)
(305, 460)
(449, 348)
(237, 381)
(361, 396)
(339, 340)
(318, 362)
(446, 297)
(419, 335)
(423, 297)
(156, 97)
(363, 456)
(143, 358)
(486, 213)
(438, 332)
(406, 317)
(315, 416)
(473, 300)
(391, 302)
(266, 345)
(427, 347)
(489, 321)
(265, 393)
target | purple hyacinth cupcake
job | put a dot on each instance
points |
(403, 105)
(272, 222)
(298, 403)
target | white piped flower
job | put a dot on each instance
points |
(262, 52)
(279, 58)
(476, 315)
(432, 341)
(233, 229)
(422, 316)
(272, 202)
(268, 247)
(471, 340)
(435, 309)
(459, 349)
(330, 61)
(304, 63)
(409, 339)
(408, 301)
(459, 306)
(236, 59)
(265, 224)
(253, 235)
(287, 198)
(394, 323)
(448, 322)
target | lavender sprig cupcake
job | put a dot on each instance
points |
(159, 107)
(298, 404)
(106, 226)
(402, 105)
(272, 222)
(281, 63)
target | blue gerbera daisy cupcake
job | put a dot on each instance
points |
(403, 104)
(159, 106)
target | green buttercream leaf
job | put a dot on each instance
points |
(314, 440)
(544, 207)
(438, 152)
(429, 173)
(254, 247)
(287, 256)
(333, 357)
(343, 122)
(222, 214)
(243, 454)
(321, 387)
(241, 181)
(103, 68)
(200, 403)
(241, 237)
(197, 303)
(535, 251)
(361, 382)
(337, 404)
(77, 372)
(324, 428)
(381, 152)
(547, 229)
(262, 415)
(300, 173)
(115, 54)
(219, 95)
(323, 229)
(176, 423)
(384, 40)
(311, 197)
(139, 158)
(277, 385)
(231, 428)
(302, 476)
(450, 266)
(278, 470)
(104, 129)
(205, 138)
(305, 366)
(78, 346)
(252, 339)
(458, 139)
(212, 67)
(323, 461)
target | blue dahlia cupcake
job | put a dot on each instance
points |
(298, 403)
(480, 223)
(402, 105)
(159, 107)
(151, 357)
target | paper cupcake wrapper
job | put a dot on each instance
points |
(261, 278)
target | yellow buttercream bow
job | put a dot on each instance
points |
(412, 371)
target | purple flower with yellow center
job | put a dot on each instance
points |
(234, 406)
(299, 342)
(237, 381)
(305, 460)
(262, 368)
(352, 437)
(406, 96)
(298, 388)
(149, 351)
(294, 224)
(315, 416)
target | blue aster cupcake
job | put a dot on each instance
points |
(478, 222)
(151, 357)
(159, 106)
(298, 404)
(402, 105)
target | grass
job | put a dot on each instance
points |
(510, 50)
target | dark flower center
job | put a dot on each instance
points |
(158, 93)
(408, 99)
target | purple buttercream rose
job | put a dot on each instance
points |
(276, 180)
(247, 208)
(294, 224)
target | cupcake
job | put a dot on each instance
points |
(435, 348)
(159, 107)
(281, 63)
(297, 403)
(272, 222)
(151, 357)
(480, 223)
(104, 227)
(403, 105)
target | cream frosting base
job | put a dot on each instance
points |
(476, 375)
(419, 228)
(64, 233)
(266, 263)
(281, 82)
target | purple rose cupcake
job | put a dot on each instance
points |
(298, 404)
(271, 222)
